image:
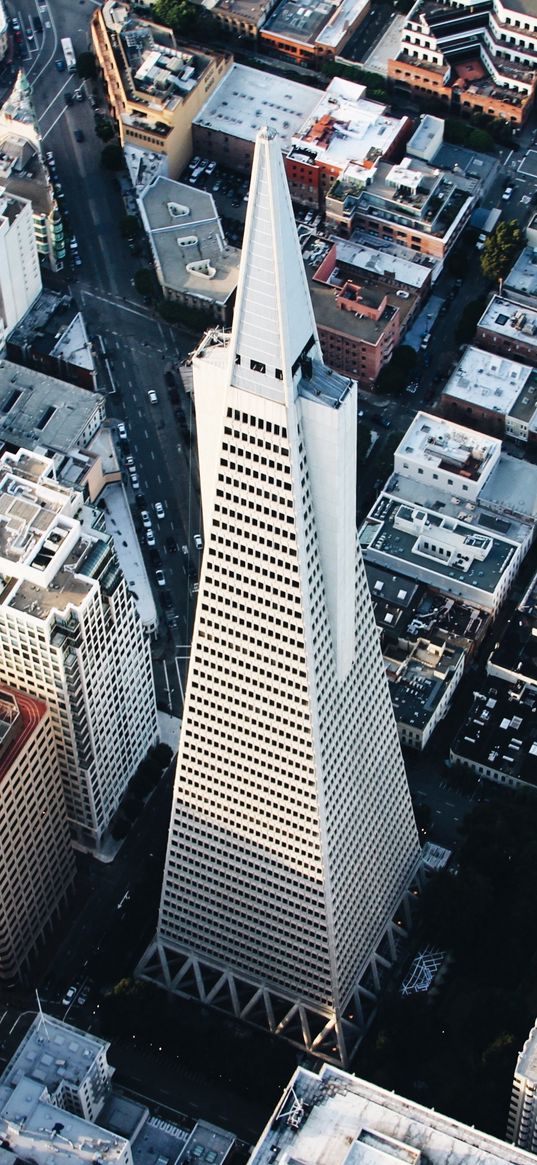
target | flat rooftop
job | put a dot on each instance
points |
(499, 731)
(334, 1118)
(326, 278)
(40, 1132)
(159, 1141)
(344, 126)
(52, 1052)
(491, 381)
(522, 278)
(39, 409)
(403, 606)
(383, 265)
(404, 532)
(448, 447)
(418, 679)
(156, 73)
(49, 545)
(504, 317)
(119, 524)
(300, 22)
(53, 327)
(412, 194)
(188, 242)
(208, 1144)
(248, 99)
(389, 248)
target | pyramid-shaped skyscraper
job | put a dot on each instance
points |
(292, 842)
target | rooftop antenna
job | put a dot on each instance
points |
(42, 1019)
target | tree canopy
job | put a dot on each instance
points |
(112, 157)
(86, 66)
(501, 250)
(177, 14)
(394, 376)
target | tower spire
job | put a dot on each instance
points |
(273, 324)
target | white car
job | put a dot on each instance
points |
(122, 431)
(507, 193)
(146, 520)
(159, 510)
(198, 541)
(153, 396)
(150, 537)
(135, 482)
(129, 461)
(69, 996)
(159, 575)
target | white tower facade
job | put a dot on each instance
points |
(292, 841)
(70, 635)
(20, 275)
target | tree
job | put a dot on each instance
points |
(86, 66)
(176, 14)
(468, 322)
(143, 281)
(162, 754)
(501, 250)
(394, 376)
(112, 157)
(129, 226)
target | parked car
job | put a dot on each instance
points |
(159, 575)
(135, 482)
(69, 996)
(60, 65)
(198, 541)
(122, 431)
(146, 520)
(150, 538)
(507, 193)
(79, 136)
(159, 510)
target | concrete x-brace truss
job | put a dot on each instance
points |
(315, 1030)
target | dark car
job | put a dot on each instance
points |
(167, 601)
(60, 65)
(79, 136)
(171, 545)
(68, 98)
(38, 24)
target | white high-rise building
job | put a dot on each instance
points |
(37, 864)
(70, 635)
(20, 275)
(292, 841)
(522, 1118)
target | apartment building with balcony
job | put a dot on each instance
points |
(473, 57)
(154, 88)
(408, 203)
(70, 635)
(36, 859)
(343, 129)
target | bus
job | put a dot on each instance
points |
(68, 52)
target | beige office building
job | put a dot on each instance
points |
(154, 88)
